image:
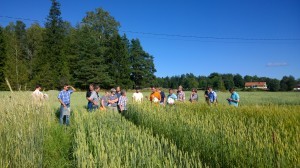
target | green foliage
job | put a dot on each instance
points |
(117, 59)
(223, 82)
(34, 43)
(92, 52)
(2, 60)
(143, 69)
(203, 82)
(101, 21)
(273, 85)
(228, 80)
(287, 83)
(217, 83)
(88, 61)
(15, 69)
(238, 81)
(53, 70)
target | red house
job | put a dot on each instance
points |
(256, 85)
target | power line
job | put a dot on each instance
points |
(212, 37)
(18, 18)
(179, 35)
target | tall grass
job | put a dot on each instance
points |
(29, 133)
(249, 136)
(263, 132)
(109, 140)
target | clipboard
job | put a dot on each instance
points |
(66, 111)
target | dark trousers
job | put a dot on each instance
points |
(90, 106)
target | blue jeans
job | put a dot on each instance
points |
(95, 107)
(61, 115)
(90, 106)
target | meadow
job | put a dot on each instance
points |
(263, 132)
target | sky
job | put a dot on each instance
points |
(241, 33)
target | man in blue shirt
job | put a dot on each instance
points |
(64, 99)
(234, 98)
(212, 96)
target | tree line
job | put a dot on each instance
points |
(223, 82)
(57, 53)
(94, 51)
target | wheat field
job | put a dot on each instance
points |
(263, 132)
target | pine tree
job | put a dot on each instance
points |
(143, 68)
(90, 65)
(92, 46)
(117, 59)
(52, 68)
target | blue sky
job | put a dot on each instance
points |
(174, 55)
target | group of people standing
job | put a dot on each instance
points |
(116, 99)
(158, 96)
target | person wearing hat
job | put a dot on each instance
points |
(113, 100)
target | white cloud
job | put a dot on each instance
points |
(277, 64)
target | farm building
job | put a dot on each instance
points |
(297, 87)
(256, 85)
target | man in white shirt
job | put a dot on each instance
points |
(137, 96)
(37, 94)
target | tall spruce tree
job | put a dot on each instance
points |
(52, 69)
(142, 66)
(117, 59)
(89, 60)
(92, 47)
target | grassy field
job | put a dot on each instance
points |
(263, 132)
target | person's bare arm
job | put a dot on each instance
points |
(102, 103)
(72, 88)
(61, 102)
(90, 99)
